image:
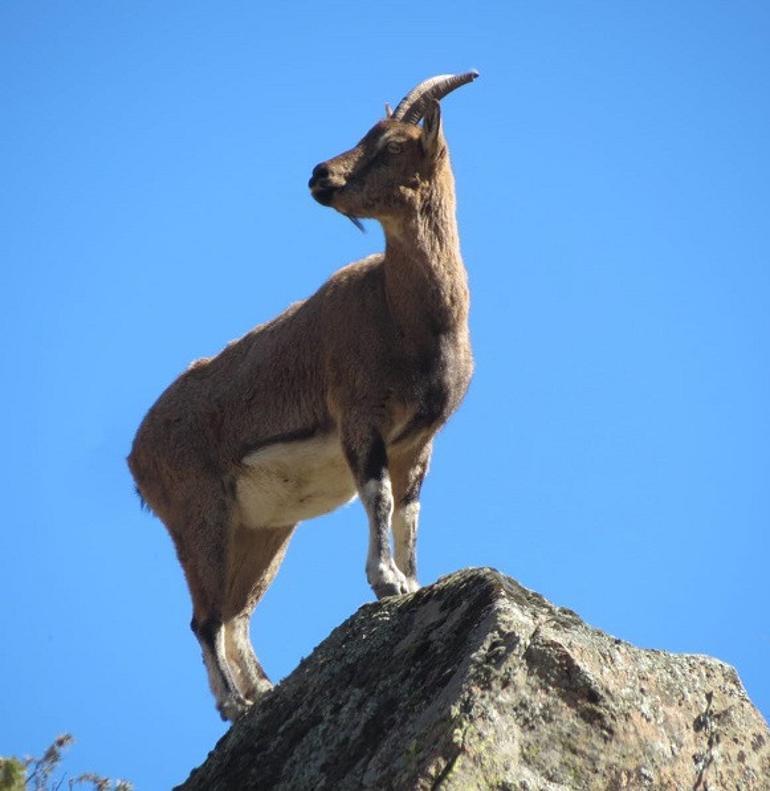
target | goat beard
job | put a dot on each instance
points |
(355, 222)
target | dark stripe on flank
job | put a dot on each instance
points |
(289, 436)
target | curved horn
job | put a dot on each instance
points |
(412, 107)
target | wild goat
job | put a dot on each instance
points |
(340, 395)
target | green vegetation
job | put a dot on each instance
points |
(38, 774)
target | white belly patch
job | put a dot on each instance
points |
(288, 482)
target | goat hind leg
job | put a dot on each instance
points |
(231, 703)
(255, 557)
(203, 534)
(251, 679)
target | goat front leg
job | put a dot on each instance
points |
(368, 459)
(408, 474)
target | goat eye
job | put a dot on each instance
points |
(394, 147)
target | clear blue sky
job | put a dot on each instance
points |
(613, 173)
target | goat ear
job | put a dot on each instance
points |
(431, 128)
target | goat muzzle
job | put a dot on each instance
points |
(323, 184)
(319, 172)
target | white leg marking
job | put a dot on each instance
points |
(384, 576)
(253, 681)
(405, 521)
(216, 680)
(230, 702)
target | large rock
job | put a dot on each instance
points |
(478, 683)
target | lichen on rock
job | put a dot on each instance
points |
(476, 682)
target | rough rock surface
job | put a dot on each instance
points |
(478, 683)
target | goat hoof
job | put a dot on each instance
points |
(387, 589)
(232, 707)
(390, 581)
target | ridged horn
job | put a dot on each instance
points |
(412, 107)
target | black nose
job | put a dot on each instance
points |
(319, 172)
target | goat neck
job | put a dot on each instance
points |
(425, 278)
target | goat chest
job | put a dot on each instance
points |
(439, 381)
